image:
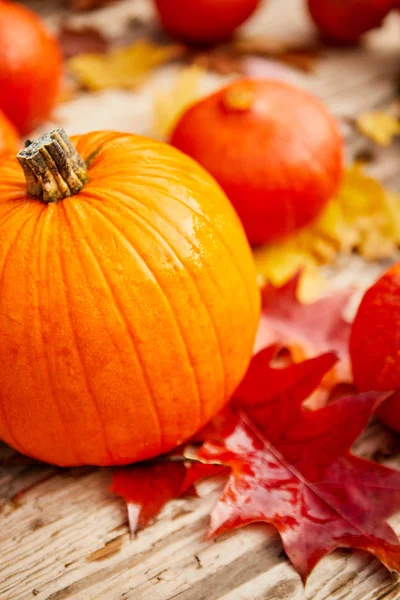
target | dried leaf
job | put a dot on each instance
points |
(169, 106)
(293, 468)
(122, 67)
(303, 58)
(147, 487)
(221, 61)
(305, 329)
(363, 216)
(75, 41)
(379, 126)
(84, 5)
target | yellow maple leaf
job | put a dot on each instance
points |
(169, 106)
(122, 67)
(363, 216)
(379, 126)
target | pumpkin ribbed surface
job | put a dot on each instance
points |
(127, 311)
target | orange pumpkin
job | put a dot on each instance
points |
(204, 21)
(274, 148)
(375, 343)
(30, 67)
(8, 136)
(345, 21)
(128, 299)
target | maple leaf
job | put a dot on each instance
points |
(379, 126)
(121, 67)
(147, 487)
(293, 468)
(305, 329)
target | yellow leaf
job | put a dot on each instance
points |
(122, 67)
(379, 126)
(277, 263)
(169, 106)
(363, 216)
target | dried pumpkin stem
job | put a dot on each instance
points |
(53, 168)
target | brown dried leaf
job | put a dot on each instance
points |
(75, 41)
(303, 58)
(83, 5)
(123, 67)
(220, 61)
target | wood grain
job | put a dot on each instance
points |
(66, 537)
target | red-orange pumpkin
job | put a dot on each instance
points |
(8, 136)
(204, 21)
(274, 148)
(375, 343)
(128, 310)
(345, 21)
(30, 67)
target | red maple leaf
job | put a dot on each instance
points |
(293, 468)
(306, 329)
(147, 487)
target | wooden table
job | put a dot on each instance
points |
(67, 537)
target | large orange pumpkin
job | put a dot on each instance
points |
(128, 299)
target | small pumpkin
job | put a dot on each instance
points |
(30, 67)
(345, 21)
(128, 299)
(375, 343)
(204, 21)
(274, 148)
(8, 136)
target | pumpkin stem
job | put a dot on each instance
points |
(53, 168)
(238, 100)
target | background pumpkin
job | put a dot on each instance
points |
(274, 148)
(128, 311)
(204, 21)
(375, 343)
(30, 67)
(345, 21)
(8, 137)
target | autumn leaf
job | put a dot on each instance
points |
(121, 67)
(75, 40)
(147, 487)
(363, 216)
(84, 5)
(293, 468)
(264, 381)
(379, 126)
(303, 58)
(305, 329)
(169, 105)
